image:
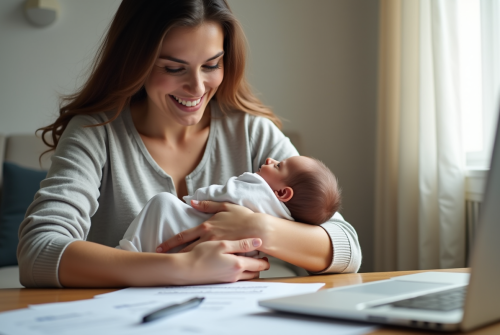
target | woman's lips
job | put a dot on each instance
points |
(184, 104)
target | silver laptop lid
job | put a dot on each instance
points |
(482, 303)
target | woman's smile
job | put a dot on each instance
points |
(188, 105)
(186, 75)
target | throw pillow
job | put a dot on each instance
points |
(19, 187)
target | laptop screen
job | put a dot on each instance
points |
(482, 304)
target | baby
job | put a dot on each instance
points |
(298, 188)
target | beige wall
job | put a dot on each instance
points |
(313, 61)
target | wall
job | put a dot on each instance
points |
(316, 65)
(313, 61)
(36, 64)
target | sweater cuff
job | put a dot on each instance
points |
(46, 267)
(340, 246)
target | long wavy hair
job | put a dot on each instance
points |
(130, 48)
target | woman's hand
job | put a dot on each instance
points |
(230, 222)
(216, 262)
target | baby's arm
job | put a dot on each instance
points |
(212, 192)
(230, 192)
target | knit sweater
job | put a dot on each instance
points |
(101, 177)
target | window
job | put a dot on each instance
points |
(479, 47)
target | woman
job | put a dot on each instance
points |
(166, 108)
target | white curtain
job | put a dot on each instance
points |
(420, 203)
(490, 44)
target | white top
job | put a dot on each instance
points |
(249, 190)
(165, 215)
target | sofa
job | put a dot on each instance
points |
(24, 151)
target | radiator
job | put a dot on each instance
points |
(474, 186)
(471, 219)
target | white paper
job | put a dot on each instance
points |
(55, 322)
(221, 300)
(253, 290)
(265, 323)
(227, 309)
(272, 323)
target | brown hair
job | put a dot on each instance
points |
(316, 195)
(129, 50)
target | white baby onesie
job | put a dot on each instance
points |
(165, 215)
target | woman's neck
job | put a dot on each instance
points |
(157, 125)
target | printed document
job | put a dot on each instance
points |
(227, 309)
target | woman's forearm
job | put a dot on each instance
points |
(306, 246)
(87, 264)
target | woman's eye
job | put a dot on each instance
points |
(278, 164)
(176, 70)
(212, 68)
(173, 70)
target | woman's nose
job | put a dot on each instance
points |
(195, 85)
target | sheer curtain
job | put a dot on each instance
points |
(420, 204)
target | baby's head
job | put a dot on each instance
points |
(306, 186)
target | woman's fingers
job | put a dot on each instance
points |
(192, 245)
(253, 254)
(247, 275)
(209, 206)
(244, 246)
(185, 236)
(255, 264)
(216, 261)
(208, 230)
(248, 246)
(240, 246)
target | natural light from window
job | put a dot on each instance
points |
(479, 77)
(470, 76)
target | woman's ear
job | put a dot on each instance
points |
(284, 194)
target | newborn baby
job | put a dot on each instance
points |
(298, 188)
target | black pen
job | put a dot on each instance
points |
(172, 309)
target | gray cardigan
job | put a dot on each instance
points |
(101, 177)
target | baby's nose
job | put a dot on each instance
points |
(270, 161)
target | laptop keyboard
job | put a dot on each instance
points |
(439, 301)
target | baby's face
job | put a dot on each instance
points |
(275, 173)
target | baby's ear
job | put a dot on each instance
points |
(284, 194)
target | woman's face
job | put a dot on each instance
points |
(187, 73)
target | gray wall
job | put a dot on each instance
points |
(313, 61)
(36, 64)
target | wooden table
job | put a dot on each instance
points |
(20, 298)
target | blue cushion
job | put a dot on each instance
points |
(19, 187)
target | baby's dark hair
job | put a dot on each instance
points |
(316, 195)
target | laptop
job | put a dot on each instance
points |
(430, 300)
